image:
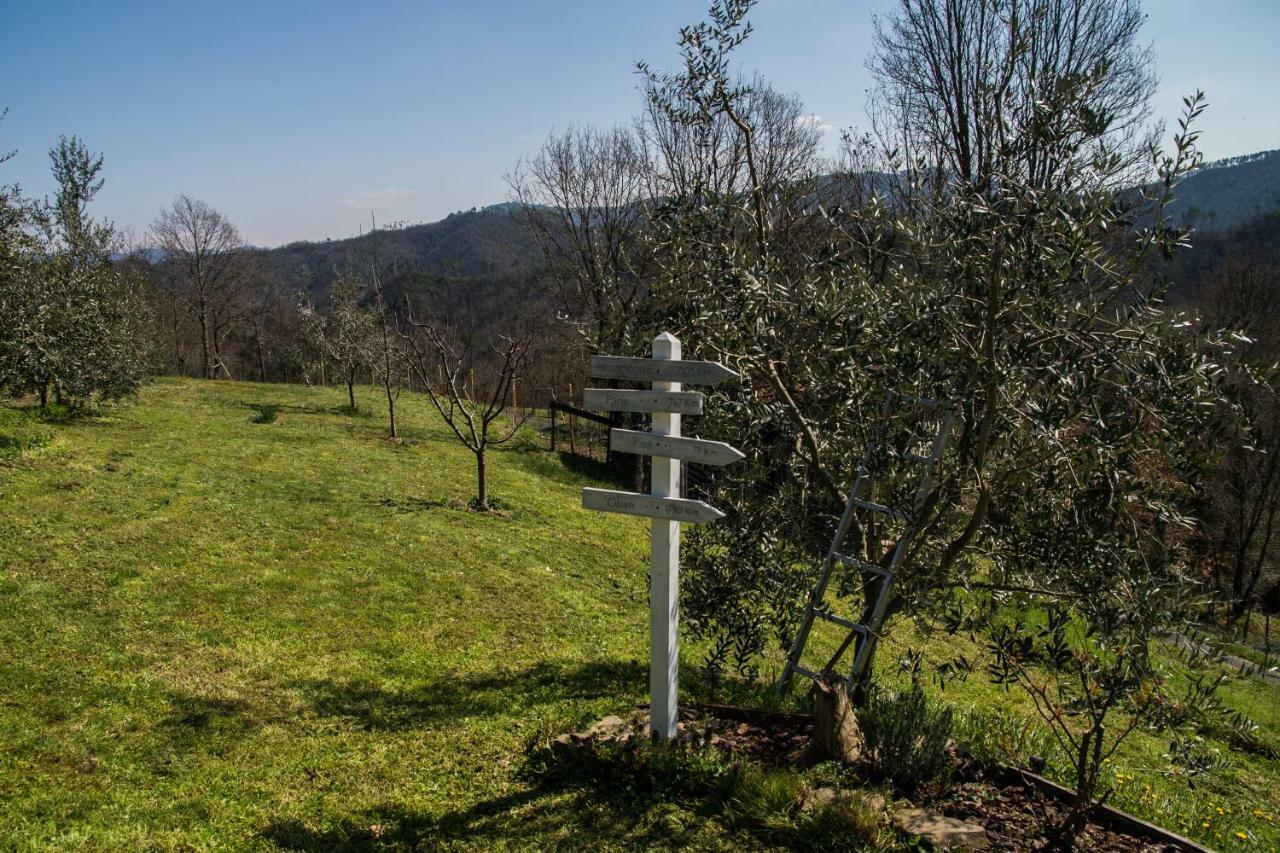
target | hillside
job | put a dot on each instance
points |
(1228, 193)
(294, 635)
(484, 244)
(484, 259)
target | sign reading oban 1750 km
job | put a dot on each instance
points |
(667, 402)
(632, 503)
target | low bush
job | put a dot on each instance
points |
(264, 414)
(669, 783)
(906, 738)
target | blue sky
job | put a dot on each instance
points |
(296, 119)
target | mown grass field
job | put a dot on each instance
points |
(222, 634)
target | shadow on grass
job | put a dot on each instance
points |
(571, 468)
(407, 505)
(584, 801)
(312, 409)
(369, 706)
(602, 796)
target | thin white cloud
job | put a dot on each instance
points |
(372, 197)
(817, 122)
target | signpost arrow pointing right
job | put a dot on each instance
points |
(674, 447)
(660, 370)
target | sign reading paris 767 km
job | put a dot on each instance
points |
(665, 399)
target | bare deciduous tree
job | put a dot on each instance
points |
(207, 252)
(1242, 512)
(962, 84)
(584, 197)
(443, 364)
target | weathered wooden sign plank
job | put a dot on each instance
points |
(660, 370)
(653, 506)
(674, 447)
(612, 400)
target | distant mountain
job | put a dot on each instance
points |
(485, 261)
(484, 244)
(1227, 193)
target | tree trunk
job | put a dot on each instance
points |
(1088, 765)
(351, 391)
(204, 344)
(836, 734)
(482, 487)
(262, 361)
(179, 361)
(44, 394)
(391, 411)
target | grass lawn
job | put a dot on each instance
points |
(216, 633)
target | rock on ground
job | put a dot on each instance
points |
(944, 833)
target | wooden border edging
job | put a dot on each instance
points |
(1106, 815)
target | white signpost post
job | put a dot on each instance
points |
(664, 505)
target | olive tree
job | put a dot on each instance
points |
(1013, 299)
(74, 320)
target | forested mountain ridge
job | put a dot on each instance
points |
(1230, 192)
(491, 245)
(486, 244)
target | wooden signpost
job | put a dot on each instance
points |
(631, 503)
(688, 449)
(664, 505)
(609, 400)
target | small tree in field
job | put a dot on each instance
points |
(443, 365)
(72, 320)
(345, 337)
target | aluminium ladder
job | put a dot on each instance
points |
(815, 608)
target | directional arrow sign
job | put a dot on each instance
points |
(660, 370)
(610, 400)
(674, 447)
(631, 503)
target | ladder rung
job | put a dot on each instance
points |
(854, 562)
(875, 507)
(839, 620)
(807, 673)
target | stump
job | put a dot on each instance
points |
(835, 728)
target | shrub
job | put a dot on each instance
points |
(907, 740)
(264, 414)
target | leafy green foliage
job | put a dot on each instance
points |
(72, 321)
(760, 805)
(906, 736)
(264, 413)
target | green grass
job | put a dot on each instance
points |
(220, 630)
(21, 432)
(219, 633)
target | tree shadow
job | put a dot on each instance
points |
(370, 706)
(410, 504)
(586, 801)
(565, 467)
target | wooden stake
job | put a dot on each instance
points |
(664, 580)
